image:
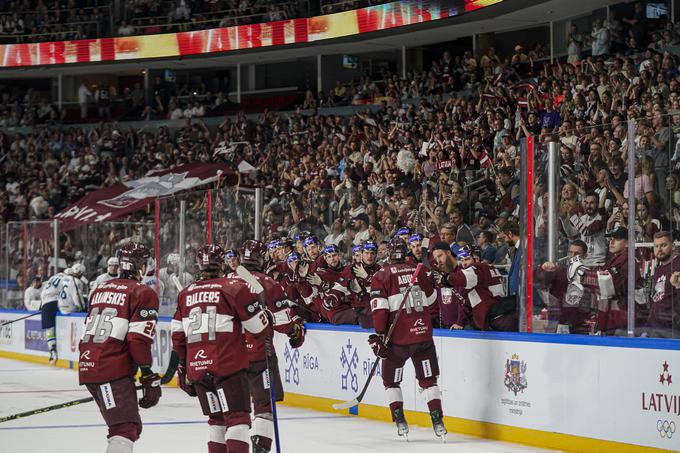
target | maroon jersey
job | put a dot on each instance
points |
(119, 331)
(209, 324)
(609, 285)
(278, 304)
(665, 298)
(568, 303)
(387, 287)
(482, 287)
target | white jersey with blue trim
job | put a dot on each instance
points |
(70, 295)
(50, 289)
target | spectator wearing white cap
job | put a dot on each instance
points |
(111, 273)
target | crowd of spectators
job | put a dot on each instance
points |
(442, 151)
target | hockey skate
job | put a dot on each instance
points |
(257, 448)
(438, 424)
(400, 420)
(53, 355)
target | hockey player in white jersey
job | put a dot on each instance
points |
(49, 297)
(168, 297)
(151, 280)
(111, 273)
(70, 298)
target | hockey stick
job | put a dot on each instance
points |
(167, 377)
(177, 283)
(259, 290)
(388, 337)
(6, 323)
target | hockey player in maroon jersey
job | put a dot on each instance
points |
(119, 331)
(412, 335)
(481, 285)
(312, 249)
(360, 283)
(415, 251)
(314, 289)
(231, 259)
(208, 335)
(357, 251)
(284, 321)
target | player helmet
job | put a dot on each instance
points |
(370, 246)
(113, 261)
(254, 253)
(310, 240)
(397, 249)
(132, 256)
(173, 258)
(209, 257)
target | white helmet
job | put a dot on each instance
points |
(173, 258)
(77, 269)
(113, 261)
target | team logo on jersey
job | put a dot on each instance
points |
(659, 289)
(200, 355)
(515, 375)
(349, 359)
(292, 371)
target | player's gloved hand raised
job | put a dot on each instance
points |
(296, 336)
(183, 381)
(378, 346)
(359, 272)
(314, 280)
(151, 389)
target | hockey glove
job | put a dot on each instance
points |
(151, 388)
(378, 346)
(360, 272)
(183, 381)
(303, 269)
(314, 280)
(354, 286)
(296, 336)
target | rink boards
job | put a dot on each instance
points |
(556, 391)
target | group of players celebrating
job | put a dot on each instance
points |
(223, 327)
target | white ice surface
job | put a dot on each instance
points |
(177, 425)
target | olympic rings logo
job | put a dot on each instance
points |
(666, 429)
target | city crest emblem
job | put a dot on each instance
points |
(515, 375)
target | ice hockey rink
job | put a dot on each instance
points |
(176, 424)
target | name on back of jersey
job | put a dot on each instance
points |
(203, 297)
(109, 298)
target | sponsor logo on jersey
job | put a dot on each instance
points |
(349, 359)
(85, 355)
(515, 375)
(107, 396)
(149, 313)
(200, 354)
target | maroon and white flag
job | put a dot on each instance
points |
(118, 200)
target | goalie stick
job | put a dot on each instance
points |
(259, 290)
(357, 400)
(167, 377)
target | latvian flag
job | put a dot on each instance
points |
(484, 160)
